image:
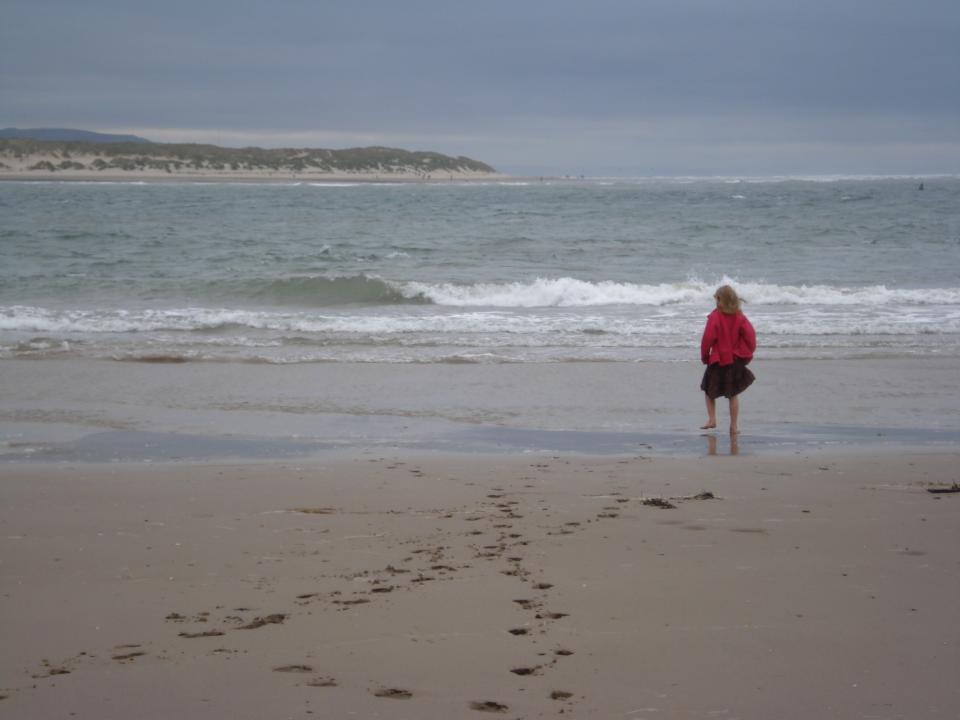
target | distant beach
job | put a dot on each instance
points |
(65, 160)
(241, 176)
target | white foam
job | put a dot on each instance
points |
(570, 292)
(521, 325)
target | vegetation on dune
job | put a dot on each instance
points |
(169, 157)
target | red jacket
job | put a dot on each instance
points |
(725, 337)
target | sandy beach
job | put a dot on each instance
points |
(341, 540)
(441, 586)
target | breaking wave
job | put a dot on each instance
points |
(564, 292)
(569, 292)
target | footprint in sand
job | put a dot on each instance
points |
(259, 622)
(293, 669)
(394, 693)
(128, 656)
(488, 706)
(322, 682)
(354, 601)
(659, 503)
(205, 633)
(66, 666)
(50, 670)
(525, 670)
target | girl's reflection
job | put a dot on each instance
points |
(712, 444)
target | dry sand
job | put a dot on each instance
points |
(441, 586)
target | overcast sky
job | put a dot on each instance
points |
(596, 87)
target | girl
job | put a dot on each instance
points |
(727, 346)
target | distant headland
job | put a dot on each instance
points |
(64, 154)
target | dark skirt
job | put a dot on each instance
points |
(728, 381)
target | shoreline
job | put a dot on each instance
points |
(271, 180)
(447, 585)
(250, 177)
(413, 178)
(98, 446)
(132, 176)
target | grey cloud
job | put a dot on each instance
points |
(534, 78)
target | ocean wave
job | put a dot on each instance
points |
(315, 292)
(321, 291)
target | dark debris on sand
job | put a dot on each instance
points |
(955, 488)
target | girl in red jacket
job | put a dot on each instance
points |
(727, 346)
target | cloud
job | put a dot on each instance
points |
(512, 83)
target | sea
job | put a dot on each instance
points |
(608, 270)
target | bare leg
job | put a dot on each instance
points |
(734, 414)
(711, 413)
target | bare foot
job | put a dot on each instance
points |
(734, 431)
(708, 426)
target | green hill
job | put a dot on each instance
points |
(191, 158)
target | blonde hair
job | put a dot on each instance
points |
(727, 300)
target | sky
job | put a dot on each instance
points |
(532, 87)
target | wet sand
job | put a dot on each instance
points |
(64, 409)
(425, 585)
